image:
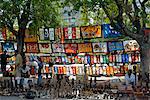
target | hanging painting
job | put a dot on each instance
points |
(58, 33)
(71, 32)
(8, 46)
(29, 36)
(71, 48)
(58, 48)
(85, 48)
(45, 48)
(100, 47)
(91, 31)
(51, 34)
(47, 34)
(119, 45)
(131, 45)
(32, 48)
(112, 46)
(41, 33)
(109, 31)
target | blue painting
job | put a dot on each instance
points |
(112, 46)
(9, 47)
(109, 32)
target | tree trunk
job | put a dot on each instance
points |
(145, 58)
(20, 41)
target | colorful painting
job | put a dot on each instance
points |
(100, 47)
(51, 34)
(45, 59)
(71, 32)
(47, 34)
(58, 48)
(71, 48)
(109, 32)
(32, 48)
(29, 37)
(41, 33)
(8, 46)
(45, 48)
(119, 45)
(85, 48)
(131, 45)
(112, 46)
(91, 31)
(58, 33)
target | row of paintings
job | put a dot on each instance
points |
(100, 47)
(49, 34)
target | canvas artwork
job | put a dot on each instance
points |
(29, 37)
(119, 45)
(41, 32)
(109, 31)
(91, 31)
(112, 46)
(85, 48)
(100, 47)
(131, 45)
(45, 48)
(71, 48)
(51, 34)
(32, 48)
(46, 34)
(9, 47)
(58, 48)
(71, 32)
(58, 33)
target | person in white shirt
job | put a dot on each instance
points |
(130, 78)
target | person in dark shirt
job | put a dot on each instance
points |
(4, 57)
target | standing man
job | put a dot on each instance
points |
(18, 65)
(4, 57)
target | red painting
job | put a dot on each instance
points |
(32, 48)
(71, 32)
(71, 48)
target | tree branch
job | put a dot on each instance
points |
(144, 11)
(106, 12)
(25, 15)
(136, 20)
(127, 11)
(118, 22)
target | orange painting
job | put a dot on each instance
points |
(91, 31)
(85, 48)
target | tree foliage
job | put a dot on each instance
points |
(34, 13)
(129, 17)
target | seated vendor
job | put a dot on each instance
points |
(130, 78)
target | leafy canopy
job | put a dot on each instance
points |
(30, 13)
